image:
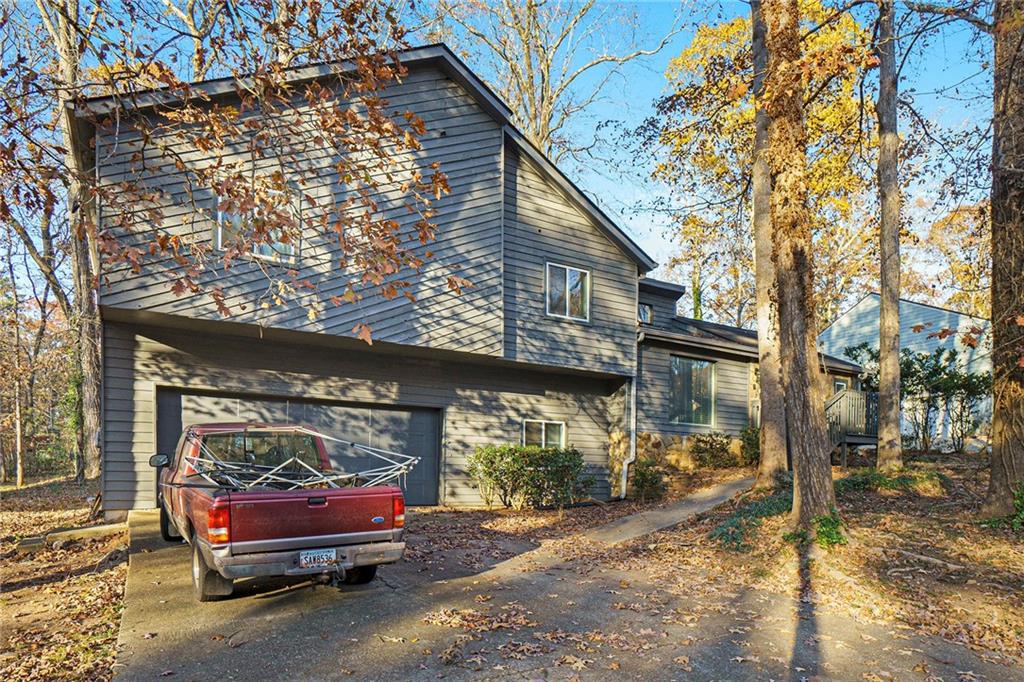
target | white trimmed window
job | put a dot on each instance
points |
(645, 313)
(543, 433)
(275, 248)
(568, 292)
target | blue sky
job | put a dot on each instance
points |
(950, 57)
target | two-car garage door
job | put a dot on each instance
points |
(413, 431)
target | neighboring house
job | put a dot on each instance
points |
(696, 376)
(511, 359)
(920, 324)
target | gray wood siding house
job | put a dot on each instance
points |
(446, 372)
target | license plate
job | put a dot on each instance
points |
(317, 557)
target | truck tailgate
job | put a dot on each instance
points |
(269, 521)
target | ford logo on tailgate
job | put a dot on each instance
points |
(378, 519)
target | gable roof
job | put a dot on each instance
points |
(441, 56)
(904, 301)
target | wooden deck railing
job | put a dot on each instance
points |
(851, 413)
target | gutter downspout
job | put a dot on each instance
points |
(631, 457)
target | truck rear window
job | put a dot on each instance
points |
(266, 449)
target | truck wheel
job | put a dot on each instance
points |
(167, 529)
(360, 575)
(208, 584)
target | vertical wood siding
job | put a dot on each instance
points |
(480, 404)
(460, 135)
(542, 225)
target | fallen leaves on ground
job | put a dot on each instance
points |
(511, 616)
(61, 605)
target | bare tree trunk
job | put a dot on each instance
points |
(62, 22)
(773, 406)
(696, 295)
(1007, 459)
(813, 494)
(19, 444)
(889, 455)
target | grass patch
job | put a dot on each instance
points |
(735, 530)
(1014, 521)
(926, 483)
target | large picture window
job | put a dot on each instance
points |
(692, 391)
(568, 292)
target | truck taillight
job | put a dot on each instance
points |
(218, 525)
(399, 511)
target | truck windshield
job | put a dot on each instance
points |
(263, 448)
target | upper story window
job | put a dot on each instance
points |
(543, 433)
(568, 292)
(692, 392)
(645, 313)
(276, 247)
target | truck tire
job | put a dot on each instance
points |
(208, 584)
(360, 575)
(167, 530)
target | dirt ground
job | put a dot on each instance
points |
(60, 606)
(915, 557)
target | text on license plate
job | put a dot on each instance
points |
(317, 557)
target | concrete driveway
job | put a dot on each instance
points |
(534, 617)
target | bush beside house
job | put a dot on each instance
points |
(520, 476)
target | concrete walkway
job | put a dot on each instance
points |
(551, 619)
(637, 525)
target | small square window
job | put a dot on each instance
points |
(568, 292)
(840, 385)
(645, 313)
(543, 433)
(275, 248)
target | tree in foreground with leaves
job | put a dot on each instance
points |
(250, 156)
(793, 256)
(1007, 461)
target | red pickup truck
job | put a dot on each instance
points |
(263, 528)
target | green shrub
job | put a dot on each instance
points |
(750, 446)
(711, 450)
(733, 532)
(648, 480)
(528, 475)
(828, 529)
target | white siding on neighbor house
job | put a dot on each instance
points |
(859, 325)
(460, 135)
(479, 404)
(542, 225)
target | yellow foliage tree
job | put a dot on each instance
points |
(703, 135)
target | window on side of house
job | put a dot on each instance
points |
(275, 248)
(568, 292)
(840, 385)
(692, 391)
(546, 434)
(645, 313)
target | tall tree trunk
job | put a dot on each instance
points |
(1007, 459)
(696, 295)
(62, 21)
(773, 406)
(889, 455)
(19, 443)
(793, 254)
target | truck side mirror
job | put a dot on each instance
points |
(159, 460)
